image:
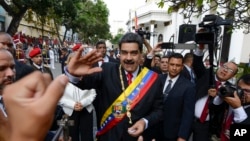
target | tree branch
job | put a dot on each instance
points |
(6, 7)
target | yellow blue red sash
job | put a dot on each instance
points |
(134, 93)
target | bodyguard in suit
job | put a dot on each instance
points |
(206, 120)
(131, 99)
(179, 99)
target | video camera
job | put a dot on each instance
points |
(143, 34)
(228, 91)
(213, 21)
(210, 25)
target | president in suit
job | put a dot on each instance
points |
(130, 102)
(179, 100)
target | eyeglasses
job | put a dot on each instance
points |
(7, 44)
(227, 68)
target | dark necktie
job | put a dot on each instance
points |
(192, 76)
(228, 119)
(168, 88)
(129, 76)
(217, 85)
(40, 69)
(205, 109)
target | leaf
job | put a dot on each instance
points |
(170, 10)
(199, 3)
(160, 4)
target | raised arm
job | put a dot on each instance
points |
(80, 65)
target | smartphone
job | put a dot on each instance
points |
(86, 50)
(167, 45)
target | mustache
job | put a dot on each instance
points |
(9, 79)
(128, 61)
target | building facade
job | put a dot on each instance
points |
(166, 27)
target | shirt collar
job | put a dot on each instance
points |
(134, 73)
(187, 67)
(222, 82)
(173, 79)
(38, 67)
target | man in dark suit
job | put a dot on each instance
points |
(7, 43)
(179, 99)
(205, 122)
(131, 99)
(235, 106)
(102, 48)
(188, 71)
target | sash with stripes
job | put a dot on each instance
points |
(133, 93)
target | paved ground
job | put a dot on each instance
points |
(58, 70)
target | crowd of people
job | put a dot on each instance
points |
(129, 96)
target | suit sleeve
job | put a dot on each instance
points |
(156, 113)
(188, 112)
(198, 66)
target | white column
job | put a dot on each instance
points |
(152, 28)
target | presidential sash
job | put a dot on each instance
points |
(133, 94)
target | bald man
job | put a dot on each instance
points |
(7, 75)
(6, 42)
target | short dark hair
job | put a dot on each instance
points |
(176, 55)
(188, 56)
(245, 78)
(165, 56)
(100, 42)
(158, 56)
(65, 49)
(131, 38)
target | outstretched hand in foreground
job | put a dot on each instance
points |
(30, 104)
(80, 65)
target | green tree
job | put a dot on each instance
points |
(17, 10)
(89, 19)
(94, 19)
(117, 37)
(236, 10)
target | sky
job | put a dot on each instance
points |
(119, 12)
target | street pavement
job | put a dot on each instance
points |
(57, 71)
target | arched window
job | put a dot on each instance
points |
(160, 38)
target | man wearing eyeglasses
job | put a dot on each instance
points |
(205, 121)
(6, 42)
(236, 107)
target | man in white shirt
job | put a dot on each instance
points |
(51, 58)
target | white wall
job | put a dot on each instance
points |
(239, 49)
